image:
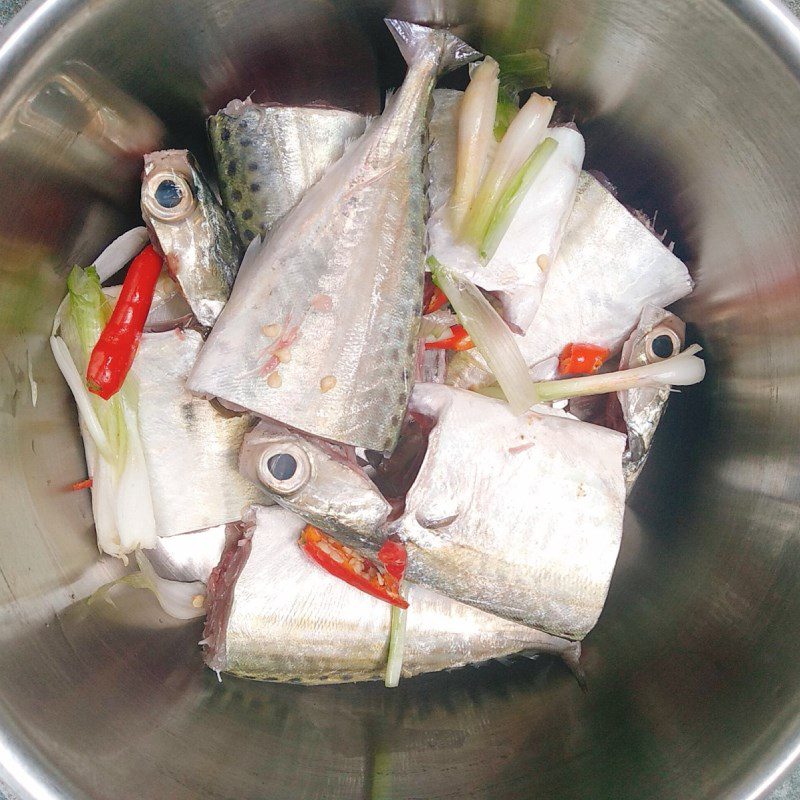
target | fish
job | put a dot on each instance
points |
(189, 226)
(318, 480)
(520, 516)
(608, 268)
(517, 272)
(320, 333)
(268, 156)
(190, 447)
(659, 335)
(191, 556)
(275, 615)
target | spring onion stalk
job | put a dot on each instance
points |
(475, 128)
(514, 194)
(683, 369)
(491, 335)
(122, 250)
(527, 70)
(507, 109)
(121, 498)
(397, 641)
(523, 136)
(179, 599)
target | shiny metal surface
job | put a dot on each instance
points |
(694, 686)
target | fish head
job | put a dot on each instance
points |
(320, 481)
(190, 227)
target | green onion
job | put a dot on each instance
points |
(514, 194)
(475, 125)
(523, 136)
(397, 641)
(507, 109)
(527, 70)
(491, 335)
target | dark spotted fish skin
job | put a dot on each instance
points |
(321, 330)
(268, 156)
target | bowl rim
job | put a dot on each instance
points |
(23, 43)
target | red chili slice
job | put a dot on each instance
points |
(393, 556)
(344, 563)
(459, 339)
(85, 484)
(116, 347)
(581, 359)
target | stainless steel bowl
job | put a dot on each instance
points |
(692, 109)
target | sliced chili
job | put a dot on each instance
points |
(393, 556)
(116, 348)
(581, 359)
(85, 484)
(433, 298)
(459, 339)
(344, 563)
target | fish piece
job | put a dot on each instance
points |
(190, 556)
(190, 227)
(191, 448)
(517, 272)
(520, 516)
(658, 336)
(276, 615)
(320, 332)
(608, 268)
(268, 157)
(318, 480)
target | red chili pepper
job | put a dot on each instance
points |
(114, 351)
(581, 359)
(76, 487)
(393, 556)
(458, 340)
(344, 563)
(433, 298)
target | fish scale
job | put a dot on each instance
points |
(356, 242)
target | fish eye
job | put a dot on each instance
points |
(168, 196)
(284, 467)
(661, 343)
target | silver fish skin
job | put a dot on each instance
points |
(608, 268)
(517, 272)
(320, 331)
(190, 227)
(268, 157)
(189, 556)
(519, 516)
(643, 407)
(281, 617)
(190, 447)
(323, 483)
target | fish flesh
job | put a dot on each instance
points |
(520, 516)
(321, 328)
(276, 615)
(517, 271)
(658, 336)
(318, 480)
(191, 447)
(268, 156)
(190, 227)
(608, 268)
(190, 556)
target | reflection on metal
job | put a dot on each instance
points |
(91, 131)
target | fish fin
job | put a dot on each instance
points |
(572, 658)
(412, 38)
(250, 255)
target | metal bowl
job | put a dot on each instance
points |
(693, 110)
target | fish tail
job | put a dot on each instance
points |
(412, 39)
